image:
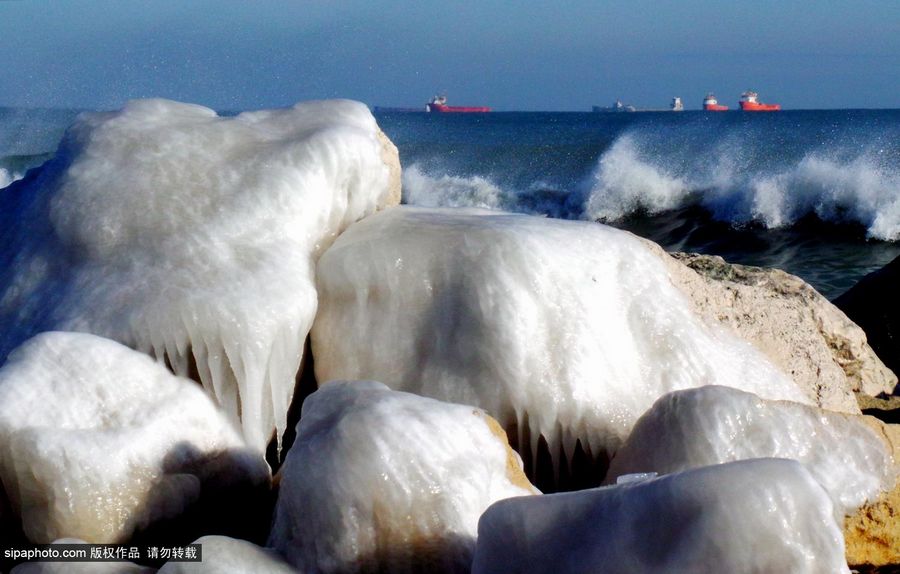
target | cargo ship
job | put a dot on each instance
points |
(616, 107)
(439, 104)
(711, 104)
(750, 103)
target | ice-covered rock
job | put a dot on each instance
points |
(380, 480)
(193, 237)
(873, 304)
(98, 440)
(224, 555)
(764, 515)
(563, 329)
(711, 425)
(796, 327)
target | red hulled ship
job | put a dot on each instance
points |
(711, 104)
(439, 104)
(750, 103)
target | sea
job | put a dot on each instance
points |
(815, 193)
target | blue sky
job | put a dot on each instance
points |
(563, 55)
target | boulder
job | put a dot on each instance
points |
(193, 237)
(224, 555)
(872, 304)
(713, 425)
(98, 441)
(762, 515)
(872, 534)
(561, 330)
(791, 323)
(385, 481)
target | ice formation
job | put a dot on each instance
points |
(567, 330)
(711, 425)
(98, 440)
(764, 515)
(224, 555)
(193, 237)
(389, 480)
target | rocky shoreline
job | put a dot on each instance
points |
(173, 281)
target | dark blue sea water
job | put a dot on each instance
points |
(816, 193)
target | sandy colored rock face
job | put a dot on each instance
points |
(872, 535)
(790, 322)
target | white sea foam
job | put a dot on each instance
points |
(420, 188)
(623, 182)
(630, 177)
(7, 177)
(858, 190)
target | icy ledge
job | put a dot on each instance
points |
(764, 515)
(711, 425)
(98, 441)
(562, 329)
(385, 481)
(193, 237)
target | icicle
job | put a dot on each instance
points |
(554, 444)
(568, 444)
(534, 433)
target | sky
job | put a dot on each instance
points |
(562, 55)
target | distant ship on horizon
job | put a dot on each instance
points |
(439, 104)
(711, 104)
(750, 103)
(618, 106)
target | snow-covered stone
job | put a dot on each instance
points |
(193, 237)
(763, 515)
(563, 329)
(784, 317)
(224, 555)
(98, 440)
(712, 425)
(389, 481)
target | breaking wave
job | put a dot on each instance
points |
(7, 178)
(630, 178)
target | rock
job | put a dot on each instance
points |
(872, 534)
(224, 555)
(384, 481)
(789, 321)
(713, 425)
(762, 515)
(98, 441)
(873, 305)
(561, 330)
(193, 237)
